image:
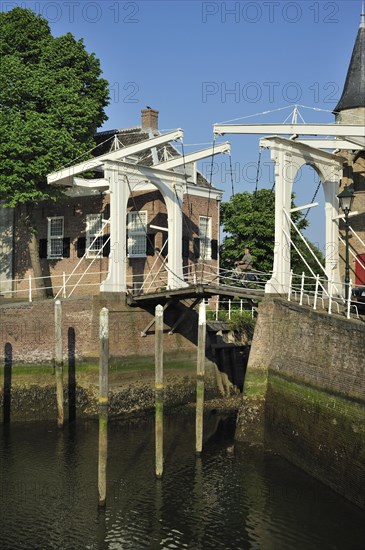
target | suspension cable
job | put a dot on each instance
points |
(71, 162)
(231, 172)
(187, 190)
(313, 199)
(258, 169)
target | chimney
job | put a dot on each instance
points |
(149, 118)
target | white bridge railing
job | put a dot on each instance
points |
(61, 285)
(316, 292)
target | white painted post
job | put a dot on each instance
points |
(159, 390)
(103, 404)
(58, 361)
(241, 305)
(202, 323)
(229, 309)
(217, 309)
(330, 297)
(290, 285)
(30, 289)
(302, 289)
(316, 292)
(349, 300)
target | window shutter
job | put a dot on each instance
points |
(81, 246)
(214, 249)
(185, 247)
(196, 247)
(66, 247)
(165, 245)
(150, 244)
(43, 248)
(106, 212)
(106, 249)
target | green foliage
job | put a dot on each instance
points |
(240, 321)
(243, 322)
(52, 100)
(249, 221)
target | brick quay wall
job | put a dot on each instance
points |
(27, 381)
(304, 394)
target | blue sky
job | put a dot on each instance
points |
(204, 62)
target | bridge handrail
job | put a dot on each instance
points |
(30, 289)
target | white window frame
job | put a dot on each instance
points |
(137, 230)
(205, 236)
(91, 219)
(51, 238)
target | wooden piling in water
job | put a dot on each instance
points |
(200, 378)
(159, 390)
(103, 404)
(58, 361)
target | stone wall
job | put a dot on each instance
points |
(304, 393)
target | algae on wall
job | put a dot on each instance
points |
(302, 399)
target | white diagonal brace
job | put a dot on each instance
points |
(193, 157)
(64, 177)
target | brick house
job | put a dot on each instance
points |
(73, 233)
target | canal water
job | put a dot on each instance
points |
(230, 498)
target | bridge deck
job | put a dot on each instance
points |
(194, 291)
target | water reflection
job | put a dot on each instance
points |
(8, 365)
(237, 497)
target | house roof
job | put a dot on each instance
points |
(353, 94)
(105, 142)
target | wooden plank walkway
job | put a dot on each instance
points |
(195, 291)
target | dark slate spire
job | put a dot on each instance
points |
(353, 94)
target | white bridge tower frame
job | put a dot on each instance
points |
(121, 177)
(289, 155)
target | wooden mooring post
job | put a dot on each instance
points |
(58, 361)
(202, 323)
(159, 390)
(103, 404)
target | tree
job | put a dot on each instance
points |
(52, 100)
(249, 221)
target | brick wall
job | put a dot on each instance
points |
(29, 329)
(305, 380)
(27, 351)
(326, 351)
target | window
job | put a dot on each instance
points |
(94, 237)
(205, 237)
(55, 238)
(137, 228)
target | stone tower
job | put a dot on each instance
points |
(351, 110)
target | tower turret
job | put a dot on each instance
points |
(351, 107)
